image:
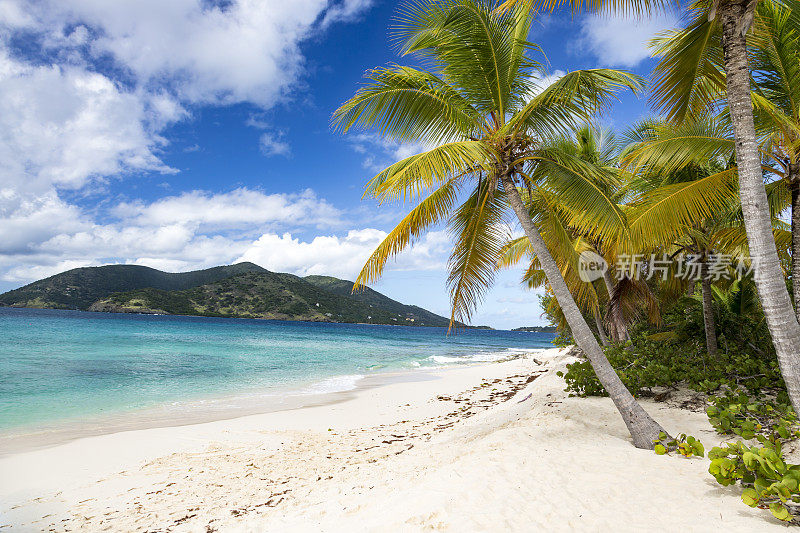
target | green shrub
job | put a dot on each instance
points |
(684, 444)
(581, 380)
(769, 480)
(739, 414)
(645, 364)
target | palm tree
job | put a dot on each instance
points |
(485, 112)
(733, 19)
(623, 299)
(686, 199)
(775, 56)
(774, 46)
(682, 209)
(565, 246)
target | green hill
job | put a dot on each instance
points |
(244, 290)
(79, 288)
(374, 299)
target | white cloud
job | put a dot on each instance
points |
(345, 11)
(271, 144)
(205, 51)
(339, 256)
(180, 248)
(64, 122)
(26, 221)
(197, 230)
(62, 126)
(28, 273)
(107, 79)
(621, 41)
(240, 208)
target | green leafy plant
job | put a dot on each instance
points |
(684, 444)
(769, 481)
(739, 414)
(645, 364)
(581, 380)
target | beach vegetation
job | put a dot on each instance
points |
(742, 58)
(685, 445)
(769, 481)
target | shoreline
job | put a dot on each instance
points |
(74, 466)
(263, 319)
(222, 406)
(485, 447)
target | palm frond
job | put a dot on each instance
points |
(407, 104)
(477, 49)
(411, 177)
(515, 251)
(571, 100)
(668, 148)
(479, 233)
(583, 192)
(638, 8)
(689, 78)
(431, 210)
(667, 212)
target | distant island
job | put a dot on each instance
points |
(536, 329)
(243, 290)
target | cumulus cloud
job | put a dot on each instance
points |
(180, 248)
(88, 97)
(197, 230)
(102, 79)
(109, 76)
(26, 221)
(61, 126)
(205, 51)
(190, 230)
(340, 256)
(240, 208)
(621, 41)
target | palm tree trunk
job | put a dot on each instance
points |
(708, 311)
(600, 331)
(620, 330)
(644, 430)
(778, 310)
(794, 187)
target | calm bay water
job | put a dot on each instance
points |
(59, 366)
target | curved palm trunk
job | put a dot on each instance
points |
(600, 331)
(708, 311)
(794, 187)
(644, 430)
(775, 301)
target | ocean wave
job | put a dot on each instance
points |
(334, 384)
(480, 357)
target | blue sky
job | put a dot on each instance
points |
(191, 133)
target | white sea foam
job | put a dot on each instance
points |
(480, 357)
(334, 384)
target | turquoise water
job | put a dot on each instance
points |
(70, 365)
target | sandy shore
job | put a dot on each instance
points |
(494, 447)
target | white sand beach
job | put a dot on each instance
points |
(478, 448)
